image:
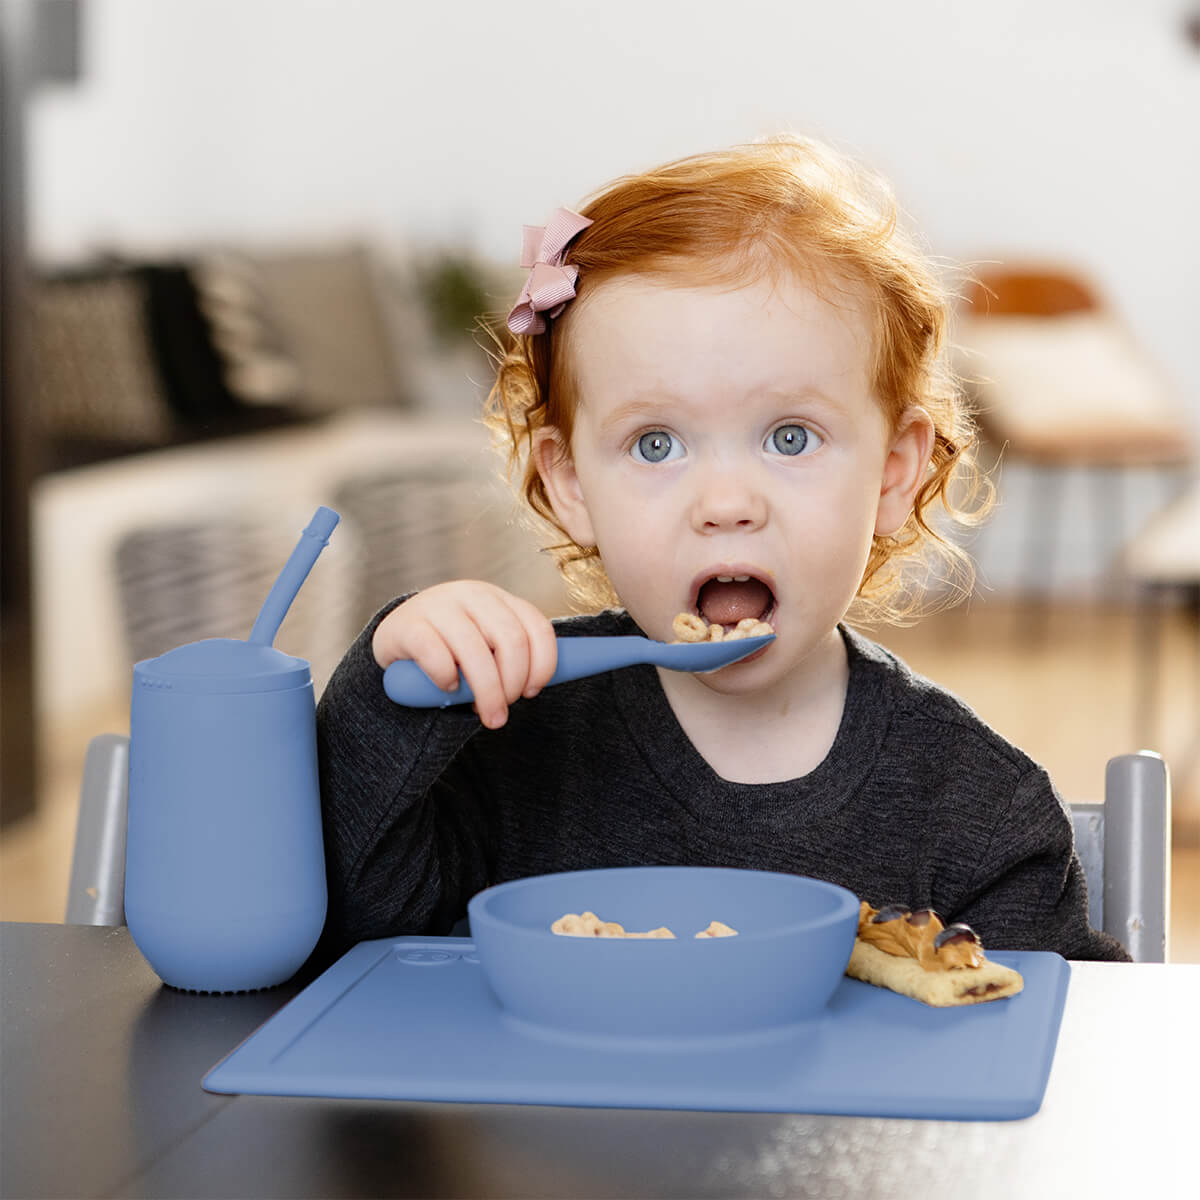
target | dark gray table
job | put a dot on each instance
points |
(100, 1069)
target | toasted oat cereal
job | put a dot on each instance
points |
(586, 925)
(688, 627)
(749, 627)
(717, 929)
(691, 627)
(589, 925)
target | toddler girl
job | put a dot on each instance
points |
(726, 395)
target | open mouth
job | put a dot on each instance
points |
(727, 599)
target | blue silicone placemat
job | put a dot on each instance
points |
(414, 1019)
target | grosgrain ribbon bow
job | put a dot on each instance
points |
(551, 283)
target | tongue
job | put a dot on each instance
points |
(729, 603)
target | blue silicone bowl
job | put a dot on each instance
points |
(794, 940)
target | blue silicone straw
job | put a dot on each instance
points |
(295, 571)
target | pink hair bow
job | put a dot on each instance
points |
(551, 283)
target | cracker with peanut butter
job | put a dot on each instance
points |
(914, 954)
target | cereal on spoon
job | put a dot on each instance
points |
(692, 627)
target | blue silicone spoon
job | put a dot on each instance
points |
(407, 684)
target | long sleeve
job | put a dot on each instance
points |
(387, 839)
(1029, 889)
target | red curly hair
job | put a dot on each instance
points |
(786, 204)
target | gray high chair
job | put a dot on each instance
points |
(1124, 845)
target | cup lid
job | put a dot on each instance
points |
(223, 665)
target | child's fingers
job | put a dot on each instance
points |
(503, 646)
(501, 619)
(524, 650)
(510, 648)
(543, 646)
(410, 635)
(523, 644)
(437, 645)
(425, 645)
(470, 643)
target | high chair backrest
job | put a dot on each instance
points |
(96, 892)
(1124, 845)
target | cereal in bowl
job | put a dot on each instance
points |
(717, 929)
(587, 924)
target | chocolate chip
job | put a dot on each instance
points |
(954, 935)
(892, 912)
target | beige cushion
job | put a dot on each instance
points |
(1072, 387)
(304, 325)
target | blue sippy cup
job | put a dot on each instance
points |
(225, 868)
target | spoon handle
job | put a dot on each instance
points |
(405, 682)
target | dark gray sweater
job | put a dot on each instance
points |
(918, 802)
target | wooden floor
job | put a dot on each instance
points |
(1066, 696)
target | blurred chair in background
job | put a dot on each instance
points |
(404, 526)
(1162, 560)
(181, 581)
(421, 524)
(1062, 385)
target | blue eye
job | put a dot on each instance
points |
(656, 447)
(792, 440)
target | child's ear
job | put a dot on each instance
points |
(904, 470)
(555, 464)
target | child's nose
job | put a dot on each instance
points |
(727, 502)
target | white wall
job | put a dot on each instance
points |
(1064, 127)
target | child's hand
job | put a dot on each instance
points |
(503, 645)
